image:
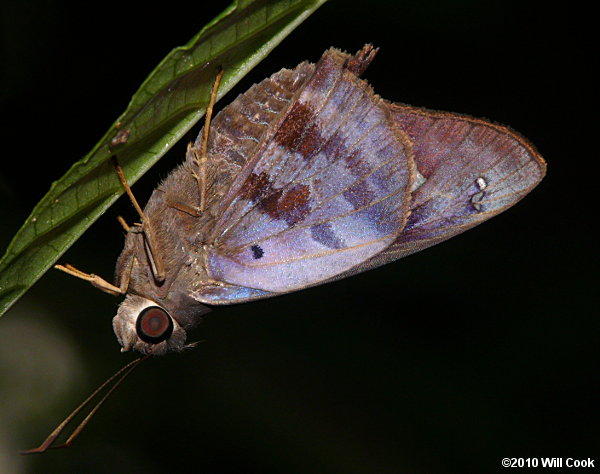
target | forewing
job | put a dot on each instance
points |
(327, 189)
(236, 131)
(473, 170)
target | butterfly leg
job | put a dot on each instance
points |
(149, 237)
(95, 280)
(125, 276)
(200, 157)
(183, 207)
(124, 224)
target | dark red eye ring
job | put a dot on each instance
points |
(154, 325)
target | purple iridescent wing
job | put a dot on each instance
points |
(469, 171)
(321, 179)
(325, 190)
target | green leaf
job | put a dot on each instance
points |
(169, 102)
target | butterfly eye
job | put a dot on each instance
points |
(154, 325)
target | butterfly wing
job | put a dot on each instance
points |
(327, 189)
(237, 130)
(470, 170)
(282, 224)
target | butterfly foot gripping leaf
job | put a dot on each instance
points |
(310, 177)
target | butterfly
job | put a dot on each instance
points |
(306, 178)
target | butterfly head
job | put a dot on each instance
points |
(144, 326)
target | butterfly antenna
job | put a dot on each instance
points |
(203, 149)
(119, 376)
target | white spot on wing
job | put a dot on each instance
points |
(419, 181)
(476, 199)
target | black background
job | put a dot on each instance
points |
(481, 348)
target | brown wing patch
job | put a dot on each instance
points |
(298, 131)
(291, 206)
(256, 186)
